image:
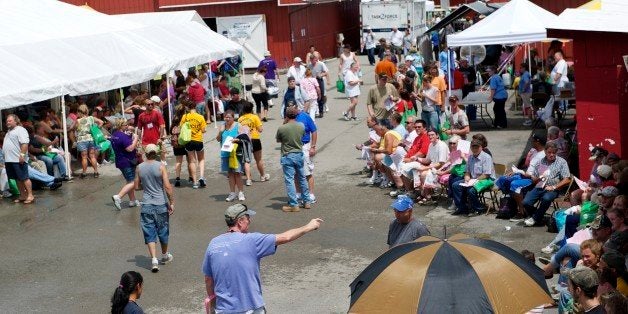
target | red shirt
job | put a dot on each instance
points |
(149, 123)
(420, 145)
(402, 106)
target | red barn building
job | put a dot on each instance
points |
(291, 25)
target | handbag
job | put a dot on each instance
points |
(185, 135)
(340, 85)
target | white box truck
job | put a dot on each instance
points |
(381, 16)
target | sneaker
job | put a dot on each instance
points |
(517, 218)
(529, 222)
(345, 116)
(241, 197)
(190, 180)
(290, 209)
(155, 267)
(527, 122)
(201, 182)
(195, 186)
(354, 118)
(177, 182)
(306, 205)
(551, 248)
(312, 198)
(232, 196)
(117, 202)
(397, 192)
(167, 258)
(55, 186)
(385, 184)
(6, 194)
(375, 180)
(265, 177)
(544, 260)
(326, 108)
(134, 203)
(249, 182)
(452, 206)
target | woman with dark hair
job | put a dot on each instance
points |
(259, 93)
(499, 95)
(194, 148)
(126, 294)
(124, 141)
(177, 149)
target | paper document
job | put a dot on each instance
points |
(455, 157)
(581, 184)
(464, 146)
(227, 146)
(389, 104)
(517, 170)
(470, 183)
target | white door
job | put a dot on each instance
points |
(250, 32)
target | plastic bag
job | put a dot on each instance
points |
(431, 180)
(13, 187)
(233, 158)
(97, 134)
(340, 85)
(588, 211)
(185, 135)
(482, 185)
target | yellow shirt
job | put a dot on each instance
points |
(397, 137)
(197, 125)
(253, 122)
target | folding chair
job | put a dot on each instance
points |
(539, 100)
(500, 170)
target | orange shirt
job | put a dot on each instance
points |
(440, 84)
(387, 67)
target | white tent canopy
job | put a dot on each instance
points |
(519, 21)
(611, 17)
(167, 17)
(50, 48)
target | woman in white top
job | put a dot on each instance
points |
(258, 91)
(347, 57)
(352, 89)
(312, 91)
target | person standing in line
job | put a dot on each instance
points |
(124, 142)
(259, 92)
(408, 41)
(352, 89)
(254, 124)
(194, 148)
(232, 262)
(15, 150)
(368, 43)
(290, 136)
(234, 175)
(499, 95)
(124, 299)
(152, 176)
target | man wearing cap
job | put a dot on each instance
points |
(550, 175)
(385, 66)
(582, 284)
(236, 104)
(271, 66)
(404, 228)
(368, 43)
(157, 206)
(232, 262)
(380, 96)
(297, 70)
(458, 121)
(151, 126)
(479, 171)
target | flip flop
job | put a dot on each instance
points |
(17, 201)
(29, 201)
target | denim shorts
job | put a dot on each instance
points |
(128, 174)
(86, 146)
(155, 223)
(17, 171)
(224, 166)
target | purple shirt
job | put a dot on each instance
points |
(271, 66)
(120, 141)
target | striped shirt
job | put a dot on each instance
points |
(552, 173)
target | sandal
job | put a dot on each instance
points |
(32, 200)
(426, 201)
(17, 200)
(96, 175)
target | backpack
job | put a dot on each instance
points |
(174, 136)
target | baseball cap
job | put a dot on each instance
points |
(297, 59)
(236, 211)
(597, 152)
(266, 53)
(614, 260)
(409, 58)
(151, 148)
(601, 221)
(402, 203)
(604, 171)
(155, 99)
(609, 191)
(583, 277)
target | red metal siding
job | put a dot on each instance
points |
(601, 96)
(558, 6)
(117, 6)
(166, 4)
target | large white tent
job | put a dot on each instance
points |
(519, 21)
(610, 16)
(50, 48)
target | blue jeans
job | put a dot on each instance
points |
(431, 117)
(50, 162)
(462, 193)
(371, 53)
(154, 220)
(44, 178)
(572, 251)
(452, 180)
(292, 164)
(533, 196)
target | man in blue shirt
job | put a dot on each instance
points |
(232, 262)
(309, 150)
(478, 176)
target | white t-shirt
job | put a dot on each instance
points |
(438, 152)
(297, 73)
(350, 90)
(430, 105)
(409, 139)
(347, 61)
(560, 68)
(396, 38)
(369, 40)
(11, 147)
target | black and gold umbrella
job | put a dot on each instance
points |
(456, 275)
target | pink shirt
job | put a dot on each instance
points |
(309, 85)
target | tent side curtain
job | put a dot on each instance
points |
(88, 59)
(518, 21)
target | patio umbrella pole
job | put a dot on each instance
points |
(122, 102)
(211, 91)
(168, 96)
(68, 159)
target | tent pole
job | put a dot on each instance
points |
(529, 60)
(122, 102)
(449, 82)
(1, 121)
(68, 159)
(211, 92)
(168, 96)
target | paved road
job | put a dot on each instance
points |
(66, 253)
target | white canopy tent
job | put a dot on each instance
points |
(167, 17)
(519, 21)
(612, 16)
(70, 50)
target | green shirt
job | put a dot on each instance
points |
(289, 135)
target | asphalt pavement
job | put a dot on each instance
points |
(66, 252)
